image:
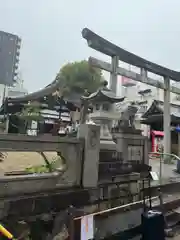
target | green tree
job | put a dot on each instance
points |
(31, 112)
(77, 77)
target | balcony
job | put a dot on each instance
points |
(15, 67)
(17, 53)
(19, 43)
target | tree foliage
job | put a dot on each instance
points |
(31, 112)
(77, 77)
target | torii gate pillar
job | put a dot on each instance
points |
(113, 74)
(167, 117)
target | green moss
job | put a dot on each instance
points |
(44, 168)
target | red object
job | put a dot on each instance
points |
(154, 135)
(157, 133)
(126, 81)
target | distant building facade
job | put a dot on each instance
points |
(143, 94)
(9, 57)
(17, 90)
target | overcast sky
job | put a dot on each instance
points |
(51, 31)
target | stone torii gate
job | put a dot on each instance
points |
(116, 53)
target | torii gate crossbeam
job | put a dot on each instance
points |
(116, 53)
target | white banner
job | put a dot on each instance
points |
(87, 227)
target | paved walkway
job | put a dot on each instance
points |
(168, 170)
(168, 174)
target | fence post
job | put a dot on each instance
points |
(71, 223)
(160, 169)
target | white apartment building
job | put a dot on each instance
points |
(15, 91)
(136, 91)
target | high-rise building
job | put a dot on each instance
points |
(9, 57)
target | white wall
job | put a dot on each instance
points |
(11, 92)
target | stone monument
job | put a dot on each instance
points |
(103, 113)
(128, 117)
(121, 152)
(133, 144)
(115, 165)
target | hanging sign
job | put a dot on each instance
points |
(87, 227)
(135, 153)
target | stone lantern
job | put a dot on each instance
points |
(103, 112)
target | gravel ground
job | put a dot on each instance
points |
(14, 161)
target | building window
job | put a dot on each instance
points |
(142, 109)
(97, 107)
(106, 107)
(177, 97)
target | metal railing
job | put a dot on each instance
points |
(162, 156)
(165, 154)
